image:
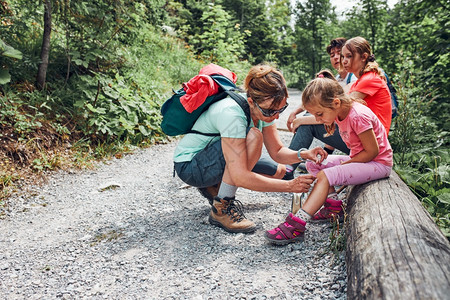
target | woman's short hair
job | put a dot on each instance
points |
(264, 82)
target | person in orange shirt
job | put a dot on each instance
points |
(371, 86)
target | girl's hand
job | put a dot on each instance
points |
(316, 155)
(346, 162)
(302, 183)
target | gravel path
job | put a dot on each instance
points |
(129, 230)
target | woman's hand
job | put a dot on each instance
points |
(302, 183)
(303, 120)
(291, 119)
(296, 123)
(316, 155)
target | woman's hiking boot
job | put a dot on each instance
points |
(210, 192)
(291, 230)
(227, 213)
(331, 210)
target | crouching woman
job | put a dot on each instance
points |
(219, 165)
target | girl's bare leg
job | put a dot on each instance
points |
(318, 195)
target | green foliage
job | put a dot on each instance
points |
(23, 116)
(232, 30)
(338, 239)
(220, 41)
(314, 28)
(421, 151)
(114, 109)
(97, 83)
(124, 105)
(7, 51)
(255, 21)
(45, 163)
(369, 20)
(279, 16)
(428, 177)
(418, 31)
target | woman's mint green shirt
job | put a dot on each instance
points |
(225, 117)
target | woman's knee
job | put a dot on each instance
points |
(254, 143)
(281, 171)
(254, 136)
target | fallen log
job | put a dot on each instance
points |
(394, 248)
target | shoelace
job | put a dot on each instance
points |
(234, 210)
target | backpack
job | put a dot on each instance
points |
(349, 78)
(394, 100)
(177, 121)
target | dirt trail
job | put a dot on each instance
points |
(130, 230)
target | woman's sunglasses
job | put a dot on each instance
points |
(271, 112)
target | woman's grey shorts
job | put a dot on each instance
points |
(207, 166)
(205, 169)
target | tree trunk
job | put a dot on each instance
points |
(42, 70)
(394, 248)
(314, 43)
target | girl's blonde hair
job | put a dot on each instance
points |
(264, 82)
(361, 46)
(323, 90)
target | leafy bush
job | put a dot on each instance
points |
(220, 41)
(421, 151)
(7, 52)
(115, 110)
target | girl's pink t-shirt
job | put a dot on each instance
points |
(360, 119)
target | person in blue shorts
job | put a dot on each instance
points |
(227, 162)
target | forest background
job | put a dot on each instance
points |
(84, 80)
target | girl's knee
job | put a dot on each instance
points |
(322, 177)
(312, 167)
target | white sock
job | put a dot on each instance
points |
(226, 190)
(333, 196)
(303, 215)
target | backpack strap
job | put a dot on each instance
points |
(242, 103)
(229, 87)
(349, 77)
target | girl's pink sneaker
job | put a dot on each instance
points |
(292, 230)
(332, 209)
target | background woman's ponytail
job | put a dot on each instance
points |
(325, 73)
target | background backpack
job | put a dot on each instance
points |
(349, 78)
(177, 121)
(394, 100)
